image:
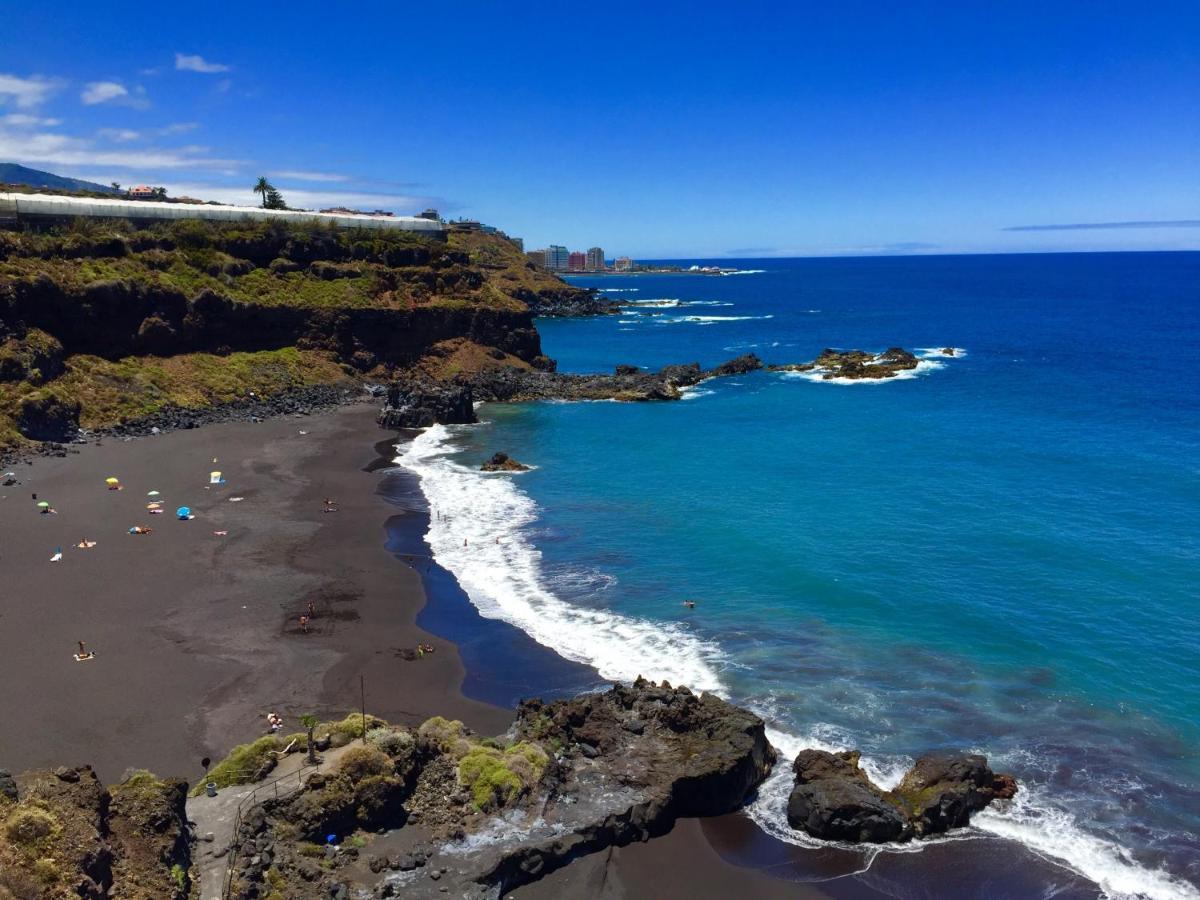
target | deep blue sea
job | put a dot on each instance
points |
(1000, 553)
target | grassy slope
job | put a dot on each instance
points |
(314, 268)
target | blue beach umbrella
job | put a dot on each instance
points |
(183, 512)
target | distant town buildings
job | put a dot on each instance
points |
(142, 192)
(623, 264)
(556, 258)
(429, 214)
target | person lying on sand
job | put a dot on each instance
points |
(84, 653)
(140, 529)
(85, 544)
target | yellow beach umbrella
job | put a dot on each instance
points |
(112, 480)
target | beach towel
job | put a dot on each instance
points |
(57, 557)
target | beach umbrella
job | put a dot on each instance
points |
(214, 478)
(43, 505)
(183, 512)
(112, 480)
(152, 493)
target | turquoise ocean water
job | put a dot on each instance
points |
(1000, 553)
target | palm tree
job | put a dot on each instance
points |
(309, 723)
(263, 187)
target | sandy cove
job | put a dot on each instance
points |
(197, 635)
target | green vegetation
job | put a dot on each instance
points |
(446, 736)
(31, 828)
(245, 764)
(496, 778)
(179, 876)
(393, 743)
(359, 763)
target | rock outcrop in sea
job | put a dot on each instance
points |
(855, 364)
(502, 462)
(834, 800)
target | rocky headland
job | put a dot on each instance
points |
(420, 402)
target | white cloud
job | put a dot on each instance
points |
(302, 175)
(26, 92)
(197, 63)
(24, 120)
(102, 92)
(123, 135)
(179, 128)
(48, 148)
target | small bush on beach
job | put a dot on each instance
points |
(245, 764)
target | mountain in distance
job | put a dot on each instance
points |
(11, 173)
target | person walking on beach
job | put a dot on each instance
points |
(304, 624)
(312, 610)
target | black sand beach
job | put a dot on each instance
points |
(197, 637)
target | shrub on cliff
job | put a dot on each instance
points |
(362, 762)
(31, 828)
(393, 743)
(444, 736)
(245, 764)
(497, 778)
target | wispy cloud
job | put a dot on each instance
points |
(1101, 226)
(24, 120)
(121, 135)
(102, 92)
(197, 63)
(48, 148)
(179, 128)
(27, 92)
(301, 175)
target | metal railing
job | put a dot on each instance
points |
(272, 789)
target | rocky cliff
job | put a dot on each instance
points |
(63, 834)
(103, 323)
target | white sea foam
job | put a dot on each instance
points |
(504, 578)
(940, 352)
(745, 272)
(660, 301)
(619, 290)
(712, 320)
(476, 532)
(1031, 818)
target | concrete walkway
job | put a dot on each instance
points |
(216, 815)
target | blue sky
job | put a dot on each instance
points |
(651, 129)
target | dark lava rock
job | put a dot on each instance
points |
(8, 787)
(855, 364)
(502, 462)
(740, 366)
(567, 302)
(419, 404)
(48, 418)
(624, 369)
(835, 801)
(943, 790)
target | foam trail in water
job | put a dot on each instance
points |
(501, 572)
(475, 533)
